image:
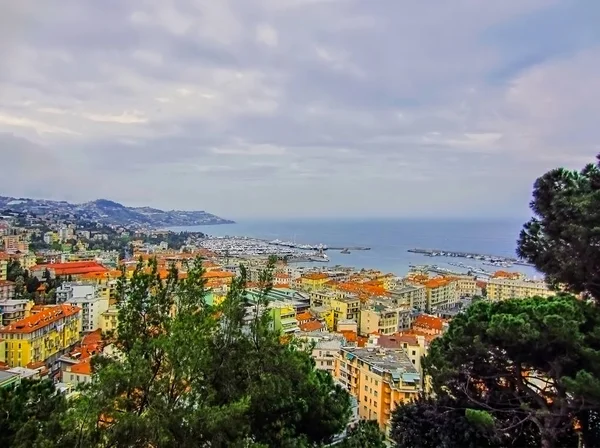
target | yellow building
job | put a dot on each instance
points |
(466, 286)
(410, 296)
(441, 294)
(379, 379)
(506, 288)
(284, 317)
(314, 281)
(345, 308)
(379, 318)
(326, 314)
(42, 337)
(109, 320)
(3, 267)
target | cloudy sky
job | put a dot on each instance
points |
(288, 108)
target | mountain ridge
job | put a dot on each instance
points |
(113, 213)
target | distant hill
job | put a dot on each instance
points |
(110, 212)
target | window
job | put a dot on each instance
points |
(366, 388)
(365, 398)
(375, 393)
(414, 353)
(375, 403)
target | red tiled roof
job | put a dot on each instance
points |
(84, 367)
(429, 322)
(313, 325)
(304, 316)
(72, 268)
(41, 319)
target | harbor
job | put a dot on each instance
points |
(486, 259)
(240, 246)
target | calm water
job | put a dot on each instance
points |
(389, 239)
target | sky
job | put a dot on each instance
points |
(297, 108)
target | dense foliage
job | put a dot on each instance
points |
(30, 415)
(563, 239)
(191, 375)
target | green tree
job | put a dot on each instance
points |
(14, 270)
(193, 375)
(533, 360)
(366, 434)
(562, 240)
(30, 415)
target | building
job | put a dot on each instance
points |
(415, 346)
(71, 270)
(313, 281)
(441, 294)
(3, 266)
(93, 300)
(109, 320)
(379, 317)
(345, 308)
(379, 379)
(507, 288)
(284, 317)
(325, 350)
(76, 374)
(9, 379)
(41, 337)
(411, 296)
(467, 286)
(12, 310)
(7, 290)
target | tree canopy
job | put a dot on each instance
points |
(194, 375)
(525, 361)
(562, 240)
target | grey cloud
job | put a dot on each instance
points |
(309, 107)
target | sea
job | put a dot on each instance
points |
(389, 240)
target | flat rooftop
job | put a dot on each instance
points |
(389, 360)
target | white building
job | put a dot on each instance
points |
(89, 298)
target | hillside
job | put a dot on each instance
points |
(112, 213)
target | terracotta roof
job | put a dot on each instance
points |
(83, 368)
(429, 322)
(437, 283)
(313, 325)
(397, 340)
(315, 276)
(505, 274)
(218, 274)
(72, 268)
(304, 316)
(350, 336)
(41, 319)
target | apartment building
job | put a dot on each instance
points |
(410, 296)
(41, 337)
(3, 266)
(325, 350)
(345, 308)
(93, 300)
(507, 288)
(314, 281)
(441, 294)
(379, 317)
(379, 379)
(466, 286)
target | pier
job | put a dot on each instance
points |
(470, 255)
(350, 248)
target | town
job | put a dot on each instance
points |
(369, 329)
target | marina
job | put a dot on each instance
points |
(240, 246)
(486, 259)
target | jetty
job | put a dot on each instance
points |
(470, 255)
(350, 248)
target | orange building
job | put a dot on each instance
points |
(379, 379)
(74, 269)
